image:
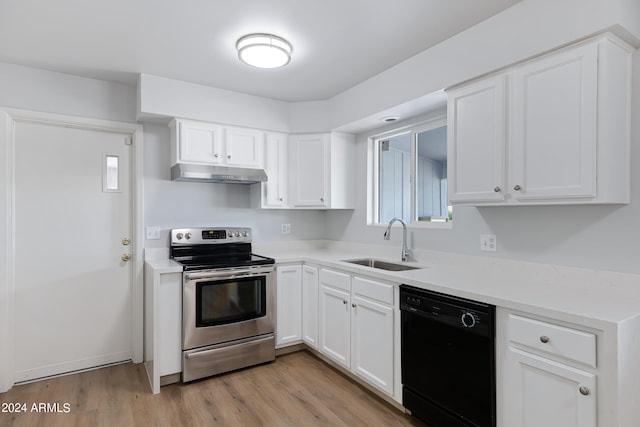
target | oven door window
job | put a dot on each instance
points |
(228, 301)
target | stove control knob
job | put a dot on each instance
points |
(236, 234)
(245, 234)
(187, 236)
(468, 319)
(179, 236)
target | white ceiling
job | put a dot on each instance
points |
(336, 43)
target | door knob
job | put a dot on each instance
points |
(126, 257)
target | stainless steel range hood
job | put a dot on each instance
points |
(211, 173)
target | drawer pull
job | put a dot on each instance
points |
(544, 339)
(584, 391)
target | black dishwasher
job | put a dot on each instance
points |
(448, 359)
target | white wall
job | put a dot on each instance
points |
(158, 96)
(601, 237)
(39, 90)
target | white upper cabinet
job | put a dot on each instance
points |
(476, 146)
(321, 172)
(196, 142)
(553, 130)
(553, 139)
(309, 166)
(274, 192)
(244, 147)
(213, 144)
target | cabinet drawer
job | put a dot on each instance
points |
(549, 338)
(335, 279)
(374, 290)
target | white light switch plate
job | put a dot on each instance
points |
(488, 242)
(152, 233)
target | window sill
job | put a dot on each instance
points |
(426, 225)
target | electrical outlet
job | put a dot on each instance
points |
(153, 233)
(286, 228)
(488, 242)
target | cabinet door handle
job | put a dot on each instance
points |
(517, 188)
(322, 199)
(584, 391)
(354, 305)
(229, 156)
(216, 155)
(544, 339)
(497, 189)
(344, 301)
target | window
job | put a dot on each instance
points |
(110, 174)
(410, 175)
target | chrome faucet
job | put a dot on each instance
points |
(387, 235)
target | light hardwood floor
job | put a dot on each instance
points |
(296, 390)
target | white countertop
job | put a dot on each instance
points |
(162, 266)
(588, 297)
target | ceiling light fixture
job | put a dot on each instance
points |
(264, 50)
(390, 119)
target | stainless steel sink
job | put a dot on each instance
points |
(382, 265)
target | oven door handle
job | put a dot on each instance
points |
(229, 273)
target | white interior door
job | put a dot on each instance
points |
(73, 290)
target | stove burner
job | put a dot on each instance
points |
(211, 248)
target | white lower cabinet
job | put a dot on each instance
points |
(288, 305)
(372, 333)
(549, 375)
(548, 393)
(310, 306)
(163, 324)
(335, 316)
(357, 326)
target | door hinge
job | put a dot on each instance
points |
(128, 140)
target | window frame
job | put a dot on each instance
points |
(373, 172)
